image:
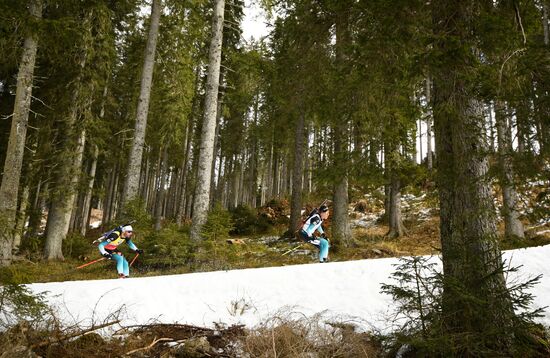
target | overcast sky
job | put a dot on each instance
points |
(254, 22)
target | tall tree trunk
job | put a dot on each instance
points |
(16, 143)
(297, 174)
(523, 127)
(106, 217)
(206, 151)
(387, 178)
(475, 300)
(38, 203)
(69, 166)
(21, 218)
(491, 128)
(186, 166)
(429, 118)
(144, 181)
(512, 225)
(62, 202)
(89, 191)
(217, 148)
(161, 191)
(254, 159)
(131, 185)
(395, 218)
(341, 230)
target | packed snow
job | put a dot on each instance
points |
(344, 291)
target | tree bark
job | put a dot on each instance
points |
(186, 166)
(16, 143)
(523, 126)
(475, 299)
(69, 167)
(297, 175)
(512, 224)
(217, 148)
(341, 230)
(89, 191)
(429, 118)
(131, 185)
(395, 219)
(202, 193)
(161, 190)
(61, 206)
(491, 128)
(21, 219)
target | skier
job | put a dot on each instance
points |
(312, 223)
(108, 248)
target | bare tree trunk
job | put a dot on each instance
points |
(39, 203)
(89, 191)
(62, 201)
(161, 190)
(475, 299)
(512, 224)
(154, 193)
(297, 174)
(397, 229)
(21, 218)
(16, 144)
(429, 154)
(216, 150)
(269, 171)
(108, 196)
(69, 168)
(387, 179)
(202, 193)
(186, 165)
(491, 128)
(144, 180)
(131, 185)
(275, 173)
(341, 230)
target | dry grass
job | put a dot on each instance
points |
(282, 337)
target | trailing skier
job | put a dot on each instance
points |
(108, 247)
(314, 223)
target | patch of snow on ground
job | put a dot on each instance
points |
(343, 290)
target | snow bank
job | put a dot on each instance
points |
(343, 290)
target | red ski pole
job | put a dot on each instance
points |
(134, 259)
(91, 262)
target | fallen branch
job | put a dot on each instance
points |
(155, 341)
(72, 335)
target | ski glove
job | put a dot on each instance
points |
(108, 256)
(139, 251)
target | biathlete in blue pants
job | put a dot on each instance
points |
(109, 250)
(312, 224)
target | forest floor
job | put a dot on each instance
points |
(168, 252)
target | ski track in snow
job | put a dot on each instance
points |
(345, 291)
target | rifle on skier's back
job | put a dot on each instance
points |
(311, 213)
(106, 234)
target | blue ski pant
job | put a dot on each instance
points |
(321, 243)
(121, 264)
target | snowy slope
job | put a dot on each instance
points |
(345, 290)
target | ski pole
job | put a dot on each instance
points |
(134, 259)
(293, 249)
(91, 262)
